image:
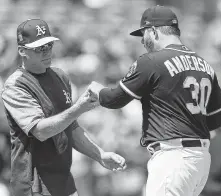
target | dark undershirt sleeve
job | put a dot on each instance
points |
(114, 98)
(134, 85)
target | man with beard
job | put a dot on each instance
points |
(181, 103)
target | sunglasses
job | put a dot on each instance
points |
(43, 48)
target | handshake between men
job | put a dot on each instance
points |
(90, 98)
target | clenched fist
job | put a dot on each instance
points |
(87, 101)
(94, 88)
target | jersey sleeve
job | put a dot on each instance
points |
(137, 80)
(23, 108)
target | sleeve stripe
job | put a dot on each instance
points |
(214, 112)
(129, 91)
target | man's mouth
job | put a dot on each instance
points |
(46, 59)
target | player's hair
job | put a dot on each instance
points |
(169, 30)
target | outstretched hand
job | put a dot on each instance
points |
(113, 161)
(95, 88)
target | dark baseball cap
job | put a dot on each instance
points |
(33, 33)
(156, 16)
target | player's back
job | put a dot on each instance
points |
(180, 85)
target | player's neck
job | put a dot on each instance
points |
(168, 40)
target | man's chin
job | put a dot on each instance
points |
(46, 62)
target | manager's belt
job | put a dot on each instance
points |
(184, 143)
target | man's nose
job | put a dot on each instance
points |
(47, 52)
(142, 41)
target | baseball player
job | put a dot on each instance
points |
(43, 120)
(181, 103)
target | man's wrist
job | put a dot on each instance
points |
(77, 110)
(100, 155)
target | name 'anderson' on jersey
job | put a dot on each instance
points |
(188, 62)
(178, 90)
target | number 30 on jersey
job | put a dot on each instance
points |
(200, 94)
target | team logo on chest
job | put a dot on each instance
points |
(67, 96)
(41, 30)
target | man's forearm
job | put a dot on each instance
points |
(114, 98)
(48, 127)
(83, 144)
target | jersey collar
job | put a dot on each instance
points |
(180, 48)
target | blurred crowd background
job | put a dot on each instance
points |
(95, 45)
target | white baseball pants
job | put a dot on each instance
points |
(178, 171)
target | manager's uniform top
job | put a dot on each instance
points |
(179, 93)
(36, 166)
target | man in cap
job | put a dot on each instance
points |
(181, 103)
(43, 120)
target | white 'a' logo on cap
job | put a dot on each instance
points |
(41, 30)
(174, 21)
(147, 22)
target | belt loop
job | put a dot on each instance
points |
(151, 150)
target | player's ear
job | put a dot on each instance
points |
(22, 52)
(155, 33)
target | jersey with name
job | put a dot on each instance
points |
(178, 89)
